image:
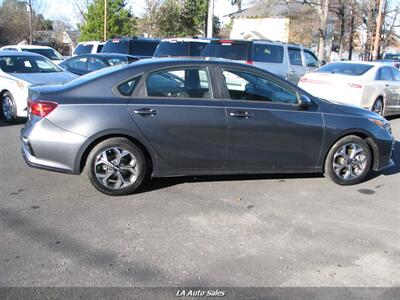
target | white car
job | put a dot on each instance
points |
(371, 85)
(88, 48)
(48, 52)
(19, 70)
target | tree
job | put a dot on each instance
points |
(120, 21)
(238, 3)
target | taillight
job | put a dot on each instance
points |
(41, 108)
(354, 85)
(249, 62)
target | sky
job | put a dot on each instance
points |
(66, 9)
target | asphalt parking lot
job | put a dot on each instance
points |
(302, 230)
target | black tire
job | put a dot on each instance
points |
(12, 116)
(379, 106)
(105, 146)
(339, 145)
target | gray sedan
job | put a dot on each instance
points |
(177, 117)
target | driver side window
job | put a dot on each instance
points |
(247, 86)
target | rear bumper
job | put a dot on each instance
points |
(46, 146)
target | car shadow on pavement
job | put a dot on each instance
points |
(161, 183)
(5, 124)
(82, 253)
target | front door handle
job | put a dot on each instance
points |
(241, 114)
(146, 112)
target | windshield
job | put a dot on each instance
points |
(394, 56)
(27, 64)
(46, 52)
(345, 69)
(83, 49)
(235, 51)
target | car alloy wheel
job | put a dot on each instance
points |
(116, 168)
(349, 162)
(378, 107)
(8, 108)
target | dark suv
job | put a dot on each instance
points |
(133, 46)
(289, 61)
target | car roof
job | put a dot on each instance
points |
(18, 53)
(28, 46)
(186, 40)
(142, 39)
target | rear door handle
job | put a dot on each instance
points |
(146, 111)
(241, 114)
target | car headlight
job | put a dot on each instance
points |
(382, 123)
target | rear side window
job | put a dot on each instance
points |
(268, 53)
(128, 87)
(396, 74)
(385, 74)
(345, 69)
(179, 83)
(83, 49)
(235, 51)
(295, 57)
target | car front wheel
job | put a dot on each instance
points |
(8, 108)
(116, 166)
(348, 161)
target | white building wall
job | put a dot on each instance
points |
(268, 28)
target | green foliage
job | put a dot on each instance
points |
(175, 18)
(120, 21)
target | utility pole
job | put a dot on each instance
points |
(210, 21)
(29, 4)
(105, 21)
(377, 40)
(351, 38)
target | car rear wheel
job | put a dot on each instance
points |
(116, 167)
(378, 106)
(8, 108)
(349, 161)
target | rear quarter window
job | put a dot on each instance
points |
(268, 53)
(127, 88)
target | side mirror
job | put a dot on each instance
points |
(322, 62)
(305, 101)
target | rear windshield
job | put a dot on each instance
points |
(172, 49)
(83, 49)
(268, 53)
(143, 48)
(112, 61)
(235, 51)
(116, 46)
(27, 64)
(132, 47)
(395, 56)
(46, 52)
(345, 69)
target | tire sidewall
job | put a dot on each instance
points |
(329, 160)
(123, 143)
(14, 108)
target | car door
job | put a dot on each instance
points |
(396, 85)
(267, 128)
(176, 111)
(296, 67)
(386, 83)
